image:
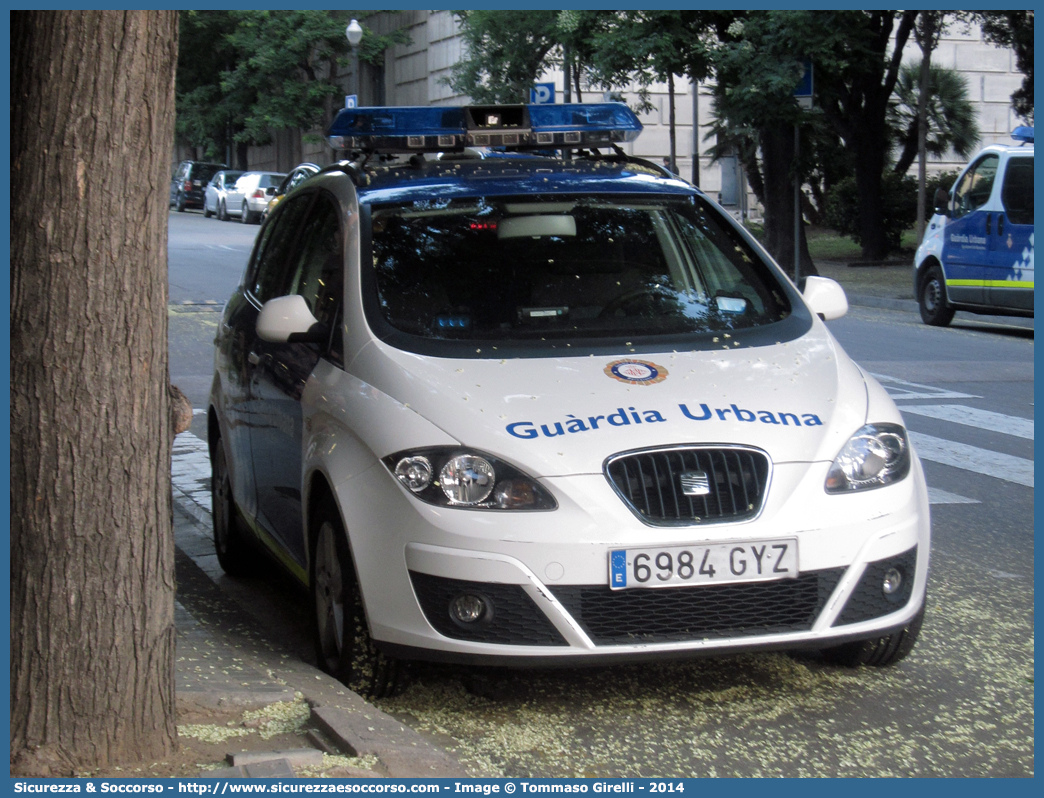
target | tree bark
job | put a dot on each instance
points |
(777, 148)
(92, 552)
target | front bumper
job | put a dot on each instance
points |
(546, 573)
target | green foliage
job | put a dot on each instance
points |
(1013, 29)
(242, 74)
(639, 47)
(899, 193)
(505, 53)
(952, 121)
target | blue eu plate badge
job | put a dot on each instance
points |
(617, 569)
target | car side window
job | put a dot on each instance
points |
(275, 252)
(975, 187)
(1017, 193)
(317, 275)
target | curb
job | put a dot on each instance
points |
(887, 303)
(349, 721)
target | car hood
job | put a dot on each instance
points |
(799, 401)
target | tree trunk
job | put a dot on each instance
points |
(777, 148)
(92, 551)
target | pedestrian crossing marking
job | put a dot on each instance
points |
(937, 496)
(973, 458)
(974, 417)
(902, 390)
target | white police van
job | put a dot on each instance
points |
(977, 254)
(494, 405)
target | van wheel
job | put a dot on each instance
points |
(877, 651)
(932, 299)
(343, 645)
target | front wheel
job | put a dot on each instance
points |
(343, 645)
(878, 651)
(222, 212)
(235, 556)
(206, 210)
(932, 299)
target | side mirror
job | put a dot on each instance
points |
(270, 191)
(825, 297)
(287, 320)
(942, 202)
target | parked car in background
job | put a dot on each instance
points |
(189, 183)
(247, 199)
(977, 254)
(216, 194)
(298, 175)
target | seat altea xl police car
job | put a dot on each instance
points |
(495, 406)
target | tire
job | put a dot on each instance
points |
(234, 552)
(877, 651)
(343, 646)
(246, 217)
(222, 212)
(181, 202)
(931, 298)
(206, 211)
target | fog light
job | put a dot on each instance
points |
(893, 580)
(468, 608)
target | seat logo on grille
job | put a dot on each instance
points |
(695, 483)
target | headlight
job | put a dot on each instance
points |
(454, 477)
(878, 454)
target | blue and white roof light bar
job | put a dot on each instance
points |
(438, 129)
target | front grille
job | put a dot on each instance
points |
(674, 614)
(732, 480)
(515, 619)
(868, 600)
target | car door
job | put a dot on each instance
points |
(234, 193)
(315, 269)
(1009, 281)
(965, 248)
(234, 369)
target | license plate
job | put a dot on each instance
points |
(704, 564)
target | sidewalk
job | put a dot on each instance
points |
(237, 687)
(889, 286)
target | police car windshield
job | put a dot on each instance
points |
(557, 267)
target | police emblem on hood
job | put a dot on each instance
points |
(636, 372)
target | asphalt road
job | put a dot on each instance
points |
(960, 705)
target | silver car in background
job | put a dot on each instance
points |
(216, 196)
(247, 199)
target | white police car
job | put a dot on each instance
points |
(977, 254)
(505, 407)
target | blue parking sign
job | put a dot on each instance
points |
(542, 94)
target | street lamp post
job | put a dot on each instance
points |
(354, 32)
